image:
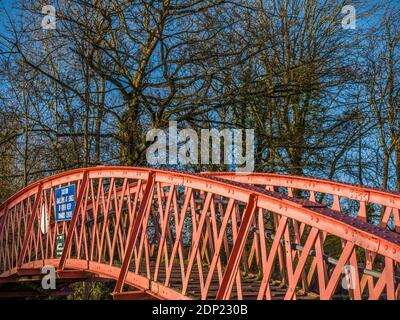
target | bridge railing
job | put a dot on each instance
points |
(377, 206)
(179, 235)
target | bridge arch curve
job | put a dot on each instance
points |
(178, 235)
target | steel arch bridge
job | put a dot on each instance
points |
(179, 235)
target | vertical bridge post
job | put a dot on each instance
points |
(237, 250)
(3, 219)
(134, 232)
(74, 220)
(2, 226)
(30, 226)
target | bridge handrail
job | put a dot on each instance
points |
(371, 238)
(389, 199)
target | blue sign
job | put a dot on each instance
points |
(65, 203)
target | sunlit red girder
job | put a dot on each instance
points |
(387, 202)
(176, 235)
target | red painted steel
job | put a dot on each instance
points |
(134, 232)
(225, 288)
(179, 235)
(389, 201)
(74, 220)
(30, 226)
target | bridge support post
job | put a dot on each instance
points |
(3, 220)
(2, 226)
(74, 221)
(30, 226)
(134, 232)
(237, 250)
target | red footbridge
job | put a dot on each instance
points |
(160, 234)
